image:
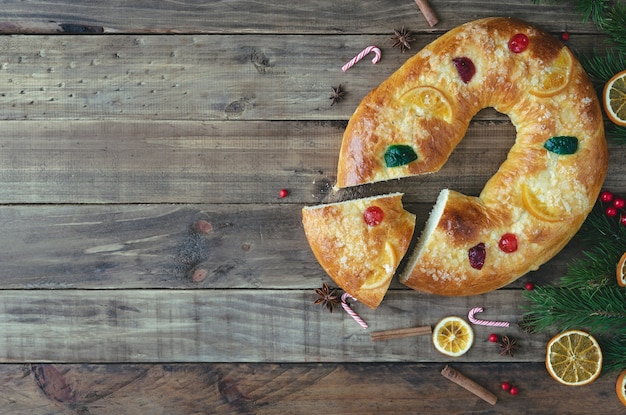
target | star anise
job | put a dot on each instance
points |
(328, 297)
(337, 95)
(508, 345)
(402, 38)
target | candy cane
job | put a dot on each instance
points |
(361, 55)
(349, 310)
(489, 323)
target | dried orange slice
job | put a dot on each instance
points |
(555, 77)
(453, 336)
(620, 387)
(537, 207)
(614, 98)
(428, 101)
(620, 271)
(574, 358)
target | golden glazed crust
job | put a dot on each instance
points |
(360, 258)
(539, 196)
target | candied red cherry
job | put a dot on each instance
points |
(508, 243)
(465, 67)
(477, 255)
(373, 215)
(518, 43)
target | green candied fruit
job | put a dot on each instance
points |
(562, 144)
(399, 155)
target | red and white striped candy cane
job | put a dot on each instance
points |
(351, 312)
(361, 55)
(490, 323)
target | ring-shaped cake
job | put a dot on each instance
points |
(541, 194)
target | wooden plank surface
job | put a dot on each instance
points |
(274, 16)
(212, 325)
(184, 389)
(159, 246)
(198, 162)
(194, 77)
(126, 125)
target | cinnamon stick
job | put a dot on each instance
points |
(467, 383)
(428, 12)
(401, 333)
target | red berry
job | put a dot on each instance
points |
(518, 43)
(529, 286)
(619, 203)
(373, 215)
(565, 36)
(611, 212)
(622, 220)
(283, 193)
(508, 243)
(606, 196)
(513, 390)
(506, 386)
(493, 338)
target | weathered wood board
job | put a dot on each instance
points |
(302, 389)
(211, 325)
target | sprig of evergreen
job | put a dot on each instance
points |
(600, 310)
(588, 296)
(601, 68)
(613, 352)
(608, 16)
(613, 23)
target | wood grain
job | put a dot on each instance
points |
(213, 325)
(201, 162)
(194, 77)
(215, 388)
(158, 246)
(274, 16)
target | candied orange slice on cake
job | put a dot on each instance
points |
(555, 77)
(538, 208)
(428, 101)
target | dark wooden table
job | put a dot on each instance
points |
(148, 265)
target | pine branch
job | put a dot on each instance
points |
(605, 238)
(592, 10)
(601, 68)
(617, 134)
(608, 16)
(599, 311)
(613, 352)
(598, 228)
(613, 23)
